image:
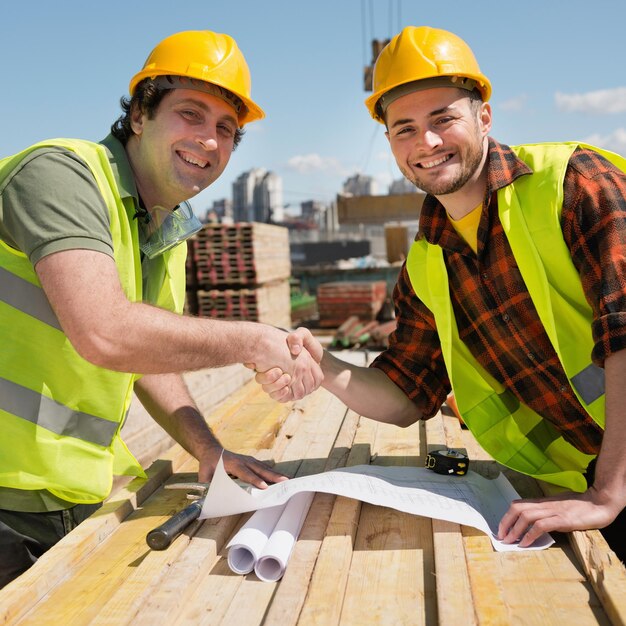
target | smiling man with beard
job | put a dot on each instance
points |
(513, 295)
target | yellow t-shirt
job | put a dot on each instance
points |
(467, 226)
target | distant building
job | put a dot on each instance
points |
(222, 210)
(319, 213)
(400, 186)
(258, 197)
(359, 185)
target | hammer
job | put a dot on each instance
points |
(161, 537)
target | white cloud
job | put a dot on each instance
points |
(595, 102)
(514, 104)
(615, 141)
(307, 163)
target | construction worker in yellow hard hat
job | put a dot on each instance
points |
(92, 287)
(513, 295)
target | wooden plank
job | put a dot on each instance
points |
(210, 593)
(95, 581)
(390, 579)
(169, 598)
(454, 595)
(68, 556)
(213, 606)
(353, 563)
(391, 575)
(546, 587)
(210, 387)
(605, 572)
(323, 602)
(485, 579)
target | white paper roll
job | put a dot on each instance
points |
(272, 561)
(247, 545)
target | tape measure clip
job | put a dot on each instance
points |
(448, 462)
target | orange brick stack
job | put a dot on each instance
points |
(339, 300)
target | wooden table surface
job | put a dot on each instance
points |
(353, 563)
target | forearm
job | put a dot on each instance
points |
(368, 391)
(156, 341)
(610, 473)
(110, 331)
(167, 399)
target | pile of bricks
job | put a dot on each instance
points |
(339, 300)
(240, 272)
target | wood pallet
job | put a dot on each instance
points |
(239, 254)
(269, 303)
(354, 563)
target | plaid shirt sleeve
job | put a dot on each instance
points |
(594, 227)
(414, 361)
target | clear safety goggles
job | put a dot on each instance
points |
(177, 226)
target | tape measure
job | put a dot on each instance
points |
(448, 462)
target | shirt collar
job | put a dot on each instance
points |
(503, 168)
(121, 168)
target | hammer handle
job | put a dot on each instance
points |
(161, 537)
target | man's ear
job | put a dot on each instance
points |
(484, 118)
(136, 119)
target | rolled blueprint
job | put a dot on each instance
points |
(247, 545)
(272, 562)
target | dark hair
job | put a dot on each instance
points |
(476, 99)
(147, 98)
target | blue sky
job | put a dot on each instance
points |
(558, 70)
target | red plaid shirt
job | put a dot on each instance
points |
(495, 315)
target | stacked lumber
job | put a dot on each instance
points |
(354, 563)
(240, 272)
(337, 301)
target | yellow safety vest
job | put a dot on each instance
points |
(60, 415)
(512, 433)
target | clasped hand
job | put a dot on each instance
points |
(296, 372)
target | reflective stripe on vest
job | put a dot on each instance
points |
(589, 383)
(511, 432)
(26, 297)
(57, 418)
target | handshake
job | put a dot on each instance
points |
(288, 366)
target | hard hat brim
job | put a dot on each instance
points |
(251, 113)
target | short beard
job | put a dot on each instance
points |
(471, 163)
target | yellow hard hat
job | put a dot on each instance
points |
(419, 53)
(206, 56)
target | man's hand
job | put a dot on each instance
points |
(306, 376)
(245, 467)
(526, 520)
(282, 386)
